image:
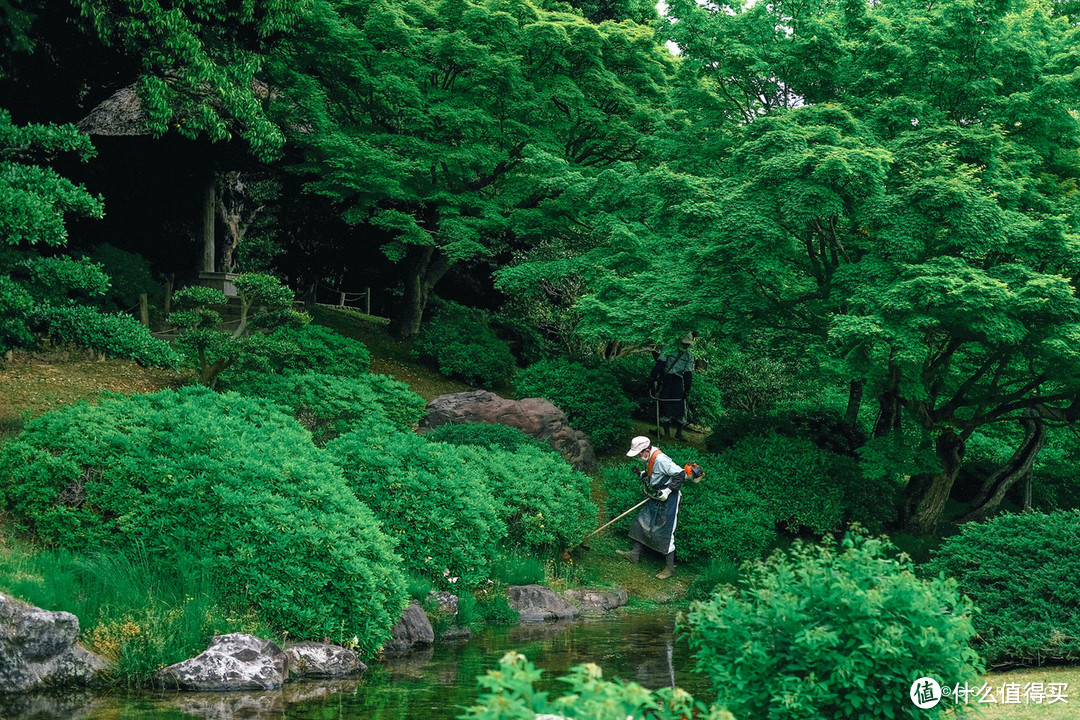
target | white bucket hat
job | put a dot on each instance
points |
(638, 444)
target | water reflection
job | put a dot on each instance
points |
(435, 683)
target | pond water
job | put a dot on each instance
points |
(432, 684)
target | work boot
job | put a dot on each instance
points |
(667, 429)
(678, 433)
(631, 555)
(669, 567)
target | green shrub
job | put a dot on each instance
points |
(328, 405)
(545, 503)
(430, 499)
(591, 398)
(308, 348)
(115, 335)
(463, 346)
(822, 633)
(274, 523)
(487, 435)
(129, 277)
(1021, 570)
(704, 406)
(524, 341)
(631, 372)
(808, 488)
(718, 517)
(511, 695)
(494, 608)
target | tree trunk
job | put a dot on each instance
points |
(424, 267)
(926, 494)
(1015, 469)
(855, 393)
(889, 402)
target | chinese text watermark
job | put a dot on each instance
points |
(926, 693)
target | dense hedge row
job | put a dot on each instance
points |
(1021, 570)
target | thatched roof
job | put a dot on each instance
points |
(121, 114)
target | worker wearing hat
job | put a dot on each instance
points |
(670, 381)
(654, 526)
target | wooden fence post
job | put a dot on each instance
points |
(367, 298)
(341, 300)
(144, 310)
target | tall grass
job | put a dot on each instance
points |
(518, 569)
(140, 611)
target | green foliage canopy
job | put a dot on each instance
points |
(890, 188)
(42, 293)
(457, 127)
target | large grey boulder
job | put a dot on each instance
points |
(236, 661)
(321, 660)
(535, 417)
(39, 650)
(537, 603)
(597, 601)
(413, 629)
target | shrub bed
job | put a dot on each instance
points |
(463, 346)
(329, 405)
(1021, 570)
(591, 398)
(229, 477)
(430, 499)
(821, 633)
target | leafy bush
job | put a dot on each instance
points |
(328, 405)
(129, 276)
(307, 348)
(591, 398)
(632, 374)
(463, 346)
(525, 342)
(487, 435)
(275, 524)
(1021, 570)
(704, 406)
(718, 517)
(545, 503)
(805, 487)
(511, 694)
(430, 499)
(822, 633)
(115, 335)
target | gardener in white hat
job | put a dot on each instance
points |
(670, 381)
(654, 526)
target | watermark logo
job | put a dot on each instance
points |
(925, 693)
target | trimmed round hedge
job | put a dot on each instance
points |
(824, 632)
(329, 405)
(1021, 570)
(489, 435)
(591, 398)
(434, 503)
(230, 479)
